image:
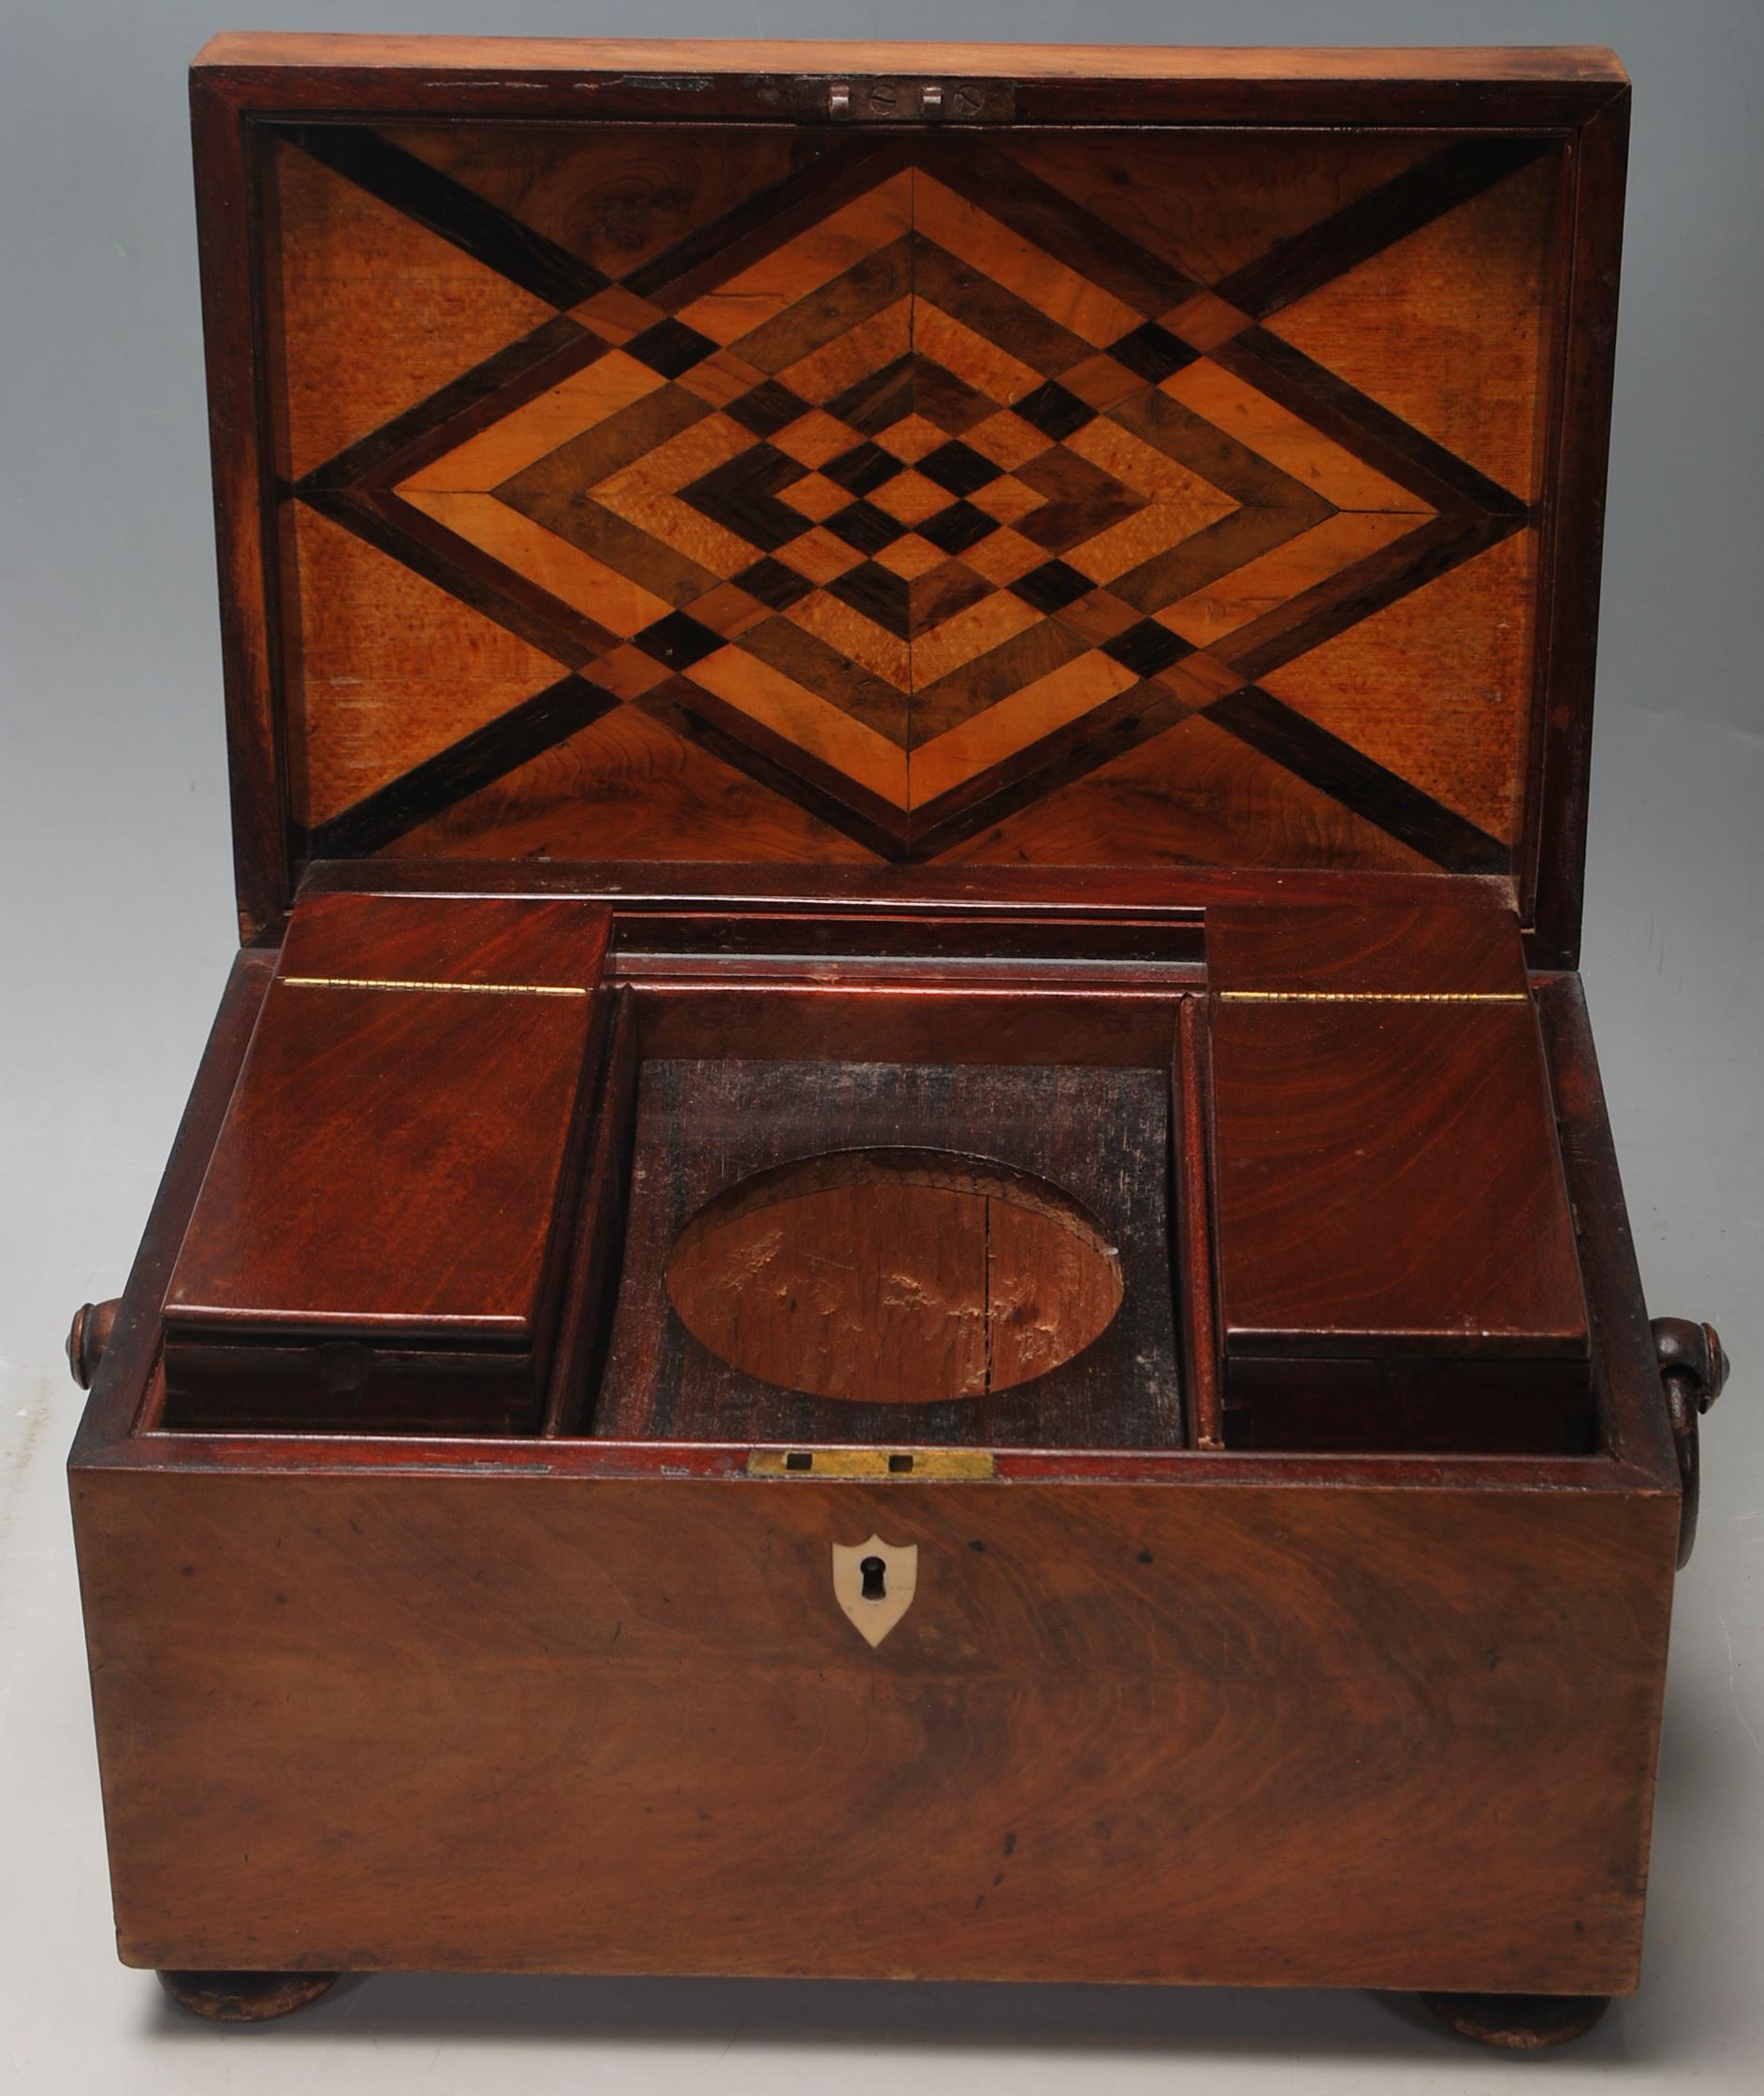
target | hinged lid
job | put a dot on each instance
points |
(815, 454)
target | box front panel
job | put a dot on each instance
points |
(1209, 1732)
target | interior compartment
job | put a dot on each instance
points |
(381, 1238)
(894, 1276)
(931, 1253)
(889, 1203)
(1393, 1247)
(929, 594)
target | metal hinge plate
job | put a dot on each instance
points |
(904, 98)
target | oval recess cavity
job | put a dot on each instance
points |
(894, 1276)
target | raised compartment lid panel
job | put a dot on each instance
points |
(1396, 1256)
(1217, 487)
(391, 1155)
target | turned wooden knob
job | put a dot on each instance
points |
(88, 1335)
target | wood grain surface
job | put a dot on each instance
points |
(391, 1160)
(393, 1175)
(1387, 1175)
(1004, 494)
(1274, 1718)
(894, 1276)
(1448, 945)
(1395, 1253)
(1247, 1733)
(278, 52)
(918, 572)
(913, 1345)
(459, 940)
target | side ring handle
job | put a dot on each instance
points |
(1694, 1371)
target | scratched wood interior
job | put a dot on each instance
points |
(894, 1276)
(777, 494)
(901, 1329)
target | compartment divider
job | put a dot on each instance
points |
(597, 1253)
(1191, 1218)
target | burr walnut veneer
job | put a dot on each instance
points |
(898, 1254)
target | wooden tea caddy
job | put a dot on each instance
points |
(899, 1253)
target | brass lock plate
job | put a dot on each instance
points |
(875, 1465)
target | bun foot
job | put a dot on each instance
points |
(244, 1997)
(1518, 2022)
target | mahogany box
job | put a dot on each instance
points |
(899, 1253)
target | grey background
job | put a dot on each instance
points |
(116, 925)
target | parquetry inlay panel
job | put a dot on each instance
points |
(917, 491)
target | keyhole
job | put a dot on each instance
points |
(874, 1572)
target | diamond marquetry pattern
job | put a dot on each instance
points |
(920, 504)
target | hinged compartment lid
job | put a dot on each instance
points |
(381, 1233)
(828, 456)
